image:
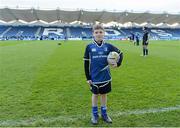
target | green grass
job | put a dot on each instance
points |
(43, 84)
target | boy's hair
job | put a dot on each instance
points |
(98, 26)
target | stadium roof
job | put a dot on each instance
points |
(60, 17)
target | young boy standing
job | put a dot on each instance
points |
(98, 73)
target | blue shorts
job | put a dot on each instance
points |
(102, 88)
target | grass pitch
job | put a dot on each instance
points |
(43, 84)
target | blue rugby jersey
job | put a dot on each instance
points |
(97, 55)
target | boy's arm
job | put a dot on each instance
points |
(86, 69)
(120, 59)
(86, 64)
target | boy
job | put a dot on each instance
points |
(98, 73)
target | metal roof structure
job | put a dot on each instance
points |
(60, 17)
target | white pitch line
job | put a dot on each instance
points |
(145, 111)
(73, 118)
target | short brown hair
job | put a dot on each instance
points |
(98, 26)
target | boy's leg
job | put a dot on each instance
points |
(104, 108)
(103, 99)
(94, 119)
(94, 100)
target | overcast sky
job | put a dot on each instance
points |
(171, 6)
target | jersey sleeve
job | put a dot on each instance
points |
(86, 63)
(114, 49)
(86, 53)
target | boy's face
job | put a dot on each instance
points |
(98, 34)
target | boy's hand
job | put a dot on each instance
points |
(89, 82)
(114, 65)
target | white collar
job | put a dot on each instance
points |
(94, 42)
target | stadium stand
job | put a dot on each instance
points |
(60, 33)
(32, 24)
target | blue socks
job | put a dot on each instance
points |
(95, 111)
(103, 110)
